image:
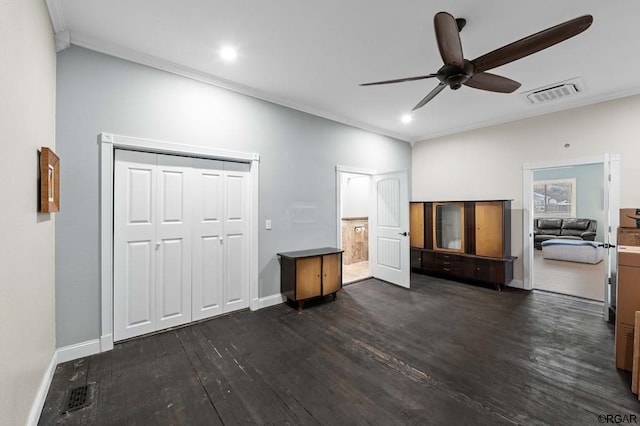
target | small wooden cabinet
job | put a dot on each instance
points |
(311, 273)
(474, 244)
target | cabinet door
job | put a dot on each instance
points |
(308, 277)
(416, 225)
(331, 277)
(489, 229)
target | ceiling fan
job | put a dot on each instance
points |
(458, 71)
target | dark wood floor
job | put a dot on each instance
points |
(442, 353)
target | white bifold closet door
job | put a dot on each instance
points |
(152, 243)
(180, 240)
(220, 235)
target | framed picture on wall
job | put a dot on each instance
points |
(49, 181)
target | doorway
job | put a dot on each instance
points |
(570, 195)
(355, 193)
(380, 224)
(595, 186)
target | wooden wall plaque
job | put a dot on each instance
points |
(49, 181)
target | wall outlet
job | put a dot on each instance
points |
(267, 224)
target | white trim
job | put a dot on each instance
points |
(203, 77)
(106, 343)
(563, 163)
(517, 284)
(356, 170)
(254, 280)
(56, 16)
(142, 144)
(577, 102)
(527, 229)
(79, 350)
(43, 390)
(63, 40)
(265, 302)
(612, 191)
(108, 142)
(339, 170)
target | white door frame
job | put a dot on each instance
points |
(108, 143)
(352, 171)
(611, 170)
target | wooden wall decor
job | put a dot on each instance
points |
(49, 181)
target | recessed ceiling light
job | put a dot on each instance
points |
(407, 118)
(228, 54)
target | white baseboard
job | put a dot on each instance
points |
(78, 350)
(106, 342)
(516, 284)
(67, 353)
(43, 390)
(265, 302)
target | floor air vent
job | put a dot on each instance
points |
(554, 92)
(78, 398)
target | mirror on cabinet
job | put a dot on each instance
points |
(448, 226)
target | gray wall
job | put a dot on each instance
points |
(98, 93)
(589, 190)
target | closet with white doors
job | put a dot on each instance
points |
(181, 246)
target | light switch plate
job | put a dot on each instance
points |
(267, 224)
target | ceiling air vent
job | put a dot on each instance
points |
(554, 92)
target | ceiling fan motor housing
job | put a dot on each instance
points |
(454, 76)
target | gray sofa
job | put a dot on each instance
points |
(570, 228)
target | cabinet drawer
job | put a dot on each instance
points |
(448, 261)
(454, 271)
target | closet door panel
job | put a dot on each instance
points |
(208, 248)
(234, 266)
(173, 281)
(134, 267)
(236, 226)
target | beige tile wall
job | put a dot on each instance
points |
(355, 239)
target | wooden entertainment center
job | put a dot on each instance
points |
(462, 240)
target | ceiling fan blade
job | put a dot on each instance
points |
(432, 94)
(448, 38)
(492, 83)
(400, 80)
(532, 44)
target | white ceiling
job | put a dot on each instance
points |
(311, 55)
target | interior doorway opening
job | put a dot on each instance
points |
(571, 197)
(607, 196)
(355, 202)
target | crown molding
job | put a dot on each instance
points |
(56, 16)
(63, 40)
(576, 103)
(194, 74)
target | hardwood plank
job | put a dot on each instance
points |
(440, 353)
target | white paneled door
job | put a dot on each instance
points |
(390, 228)
(221, 244)
(173, 241)
(134, 273)
(236, 230)
(180, 240)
